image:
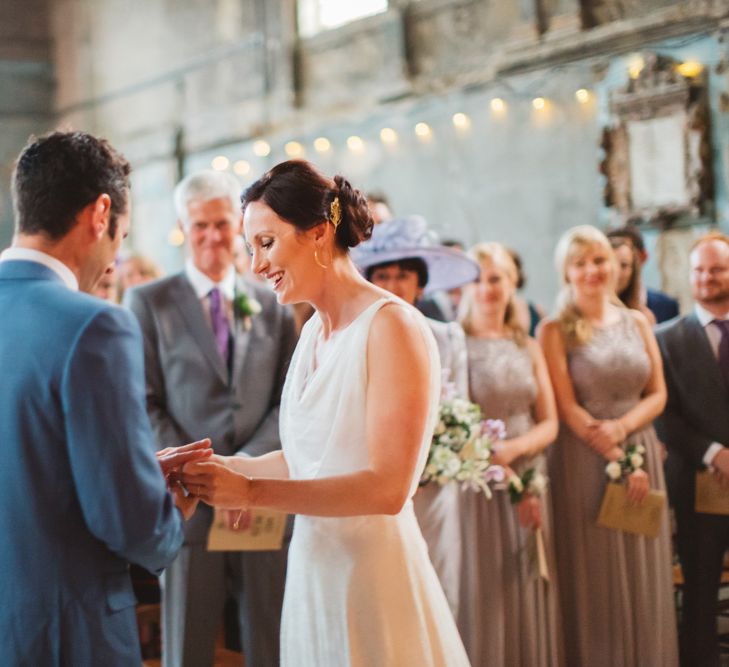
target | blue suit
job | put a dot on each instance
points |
(81, 492)
(662, 306)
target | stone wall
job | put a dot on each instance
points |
(176, 84)
(26, 84)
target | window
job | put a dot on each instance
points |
(318, 15)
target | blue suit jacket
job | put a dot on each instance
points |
(661, 305)
(81, 492)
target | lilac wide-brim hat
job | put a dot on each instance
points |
(405, 238)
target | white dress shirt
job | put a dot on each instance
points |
(713, 333)
(55, 265)
(202, 285)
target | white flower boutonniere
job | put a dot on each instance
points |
(246, 307)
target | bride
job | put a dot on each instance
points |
(357, 413)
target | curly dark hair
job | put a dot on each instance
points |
(59, 174)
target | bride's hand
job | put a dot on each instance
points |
(217, 485)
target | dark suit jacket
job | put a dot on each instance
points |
(661, 305)
(697, 411)
(190, 394)
(81, 490)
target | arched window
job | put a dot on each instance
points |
(319, 15)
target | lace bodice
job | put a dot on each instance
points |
(610, 372)
(501, 380)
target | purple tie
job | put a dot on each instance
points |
(220, 323)
(724, 349)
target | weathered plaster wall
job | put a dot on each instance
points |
(176, 84)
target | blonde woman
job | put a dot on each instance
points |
(508, 611)
(615, 588)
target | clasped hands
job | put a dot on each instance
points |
(605, 436)
(193, 473)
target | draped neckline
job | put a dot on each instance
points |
(313, 370)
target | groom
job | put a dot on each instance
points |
(81, 491)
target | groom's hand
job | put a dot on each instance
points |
(172, 459)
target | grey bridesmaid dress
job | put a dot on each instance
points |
(508, 613)
(616, 588)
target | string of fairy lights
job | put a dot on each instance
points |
(424, 133)
(422, 130)
(387, 136)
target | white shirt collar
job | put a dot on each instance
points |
(705, 317)
(202, 284)
(55, 265)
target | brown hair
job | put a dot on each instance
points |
(59, 174)
(631, 295)
(299, 194)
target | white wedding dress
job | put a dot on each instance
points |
(360, 590)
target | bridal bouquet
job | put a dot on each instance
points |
(461, 447)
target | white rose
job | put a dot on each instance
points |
(440, 456)
(613, 470)
(440, 428)
(640, 449)
(516, 484)
(255, 306)
(453, 466)
(482, 451)
(636, 460)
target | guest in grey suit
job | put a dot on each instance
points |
(215, 366)
(695, 428)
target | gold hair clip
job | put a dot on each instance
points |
(335, 212)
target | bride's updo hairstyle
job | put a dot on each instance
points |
(299, 194)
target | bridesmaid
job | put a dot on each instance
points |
(508, 614)
(615, 588)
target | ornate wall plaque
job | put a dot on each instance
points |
(657, 160)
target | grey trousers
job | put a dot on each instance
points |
(194, 589)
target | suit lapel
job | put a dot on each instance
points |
(192, 311)
(241, 335)
(703, 361)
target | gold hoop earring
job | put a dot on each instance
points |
(318, 261)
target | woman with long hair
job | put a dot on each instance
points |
(508, 613)
(616, 589)
(629, 286)
(357, 415)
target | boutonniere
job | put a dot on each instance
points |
(246, 307)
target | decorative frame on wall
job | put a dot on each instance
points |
(657, 150)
